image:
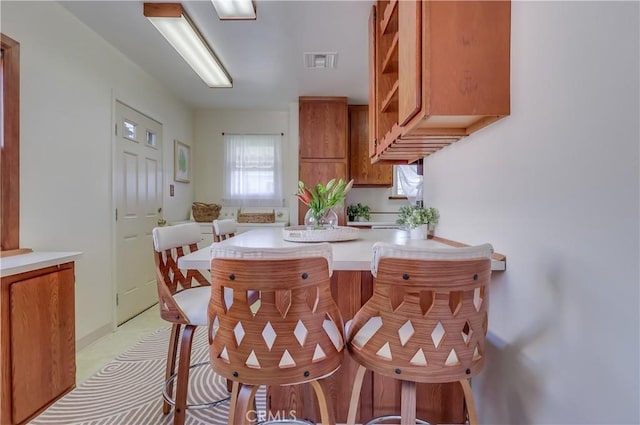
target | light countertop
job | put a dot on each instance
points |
(387, 224)
(347, 255)
(22, 263)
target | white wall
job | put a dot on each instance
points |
(209, 147)
(555, 188)
(69, 77)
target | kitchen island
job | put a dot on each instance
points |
(354, 255)
(351, 287)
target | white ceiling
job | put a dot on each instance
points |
(264, 57)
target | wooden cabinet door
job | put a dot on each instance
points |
(373, 131)
(469, 58)
(314, 172)
(362, 171)
(409, 60)
(323, 127)
(42, 340)
(442, 72)
(437, 403)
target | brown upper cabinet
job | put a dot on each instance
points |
(323, 153)
(440, 70)
(323, 123)
(362, 171)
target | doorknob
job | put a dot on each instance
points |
(161, 220)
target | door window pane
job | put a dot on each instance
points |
(151, 139)
(130, 129)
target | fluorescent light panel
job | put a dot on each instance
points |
(235, 9)
(174, 24)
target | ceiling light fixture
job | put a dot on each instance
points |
(235, 9)
(174, 24)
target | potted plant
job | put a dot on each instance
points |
(356, 212)
(420, 221)
(321, 199)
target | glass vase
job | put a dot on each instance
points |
(314, 220)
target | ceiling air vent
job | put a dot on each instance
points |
(321, 60)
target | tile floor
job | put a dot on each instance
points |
(90, 359)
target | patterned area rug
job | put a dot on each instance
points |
(128, 390)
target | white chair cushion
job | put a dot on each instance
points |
(383, 249)
(224, 227)
(194, 303)
(222, 250)
(174, 236)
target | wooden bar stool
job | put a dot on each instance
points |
(290, 334)
(183, 304)
(426, 321)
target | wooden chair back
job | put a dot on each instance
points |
(292, 332)
(224, 229)
(169, 244)
(427, 318)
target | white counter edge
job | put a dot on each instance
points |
(347, 255)
(23, 263)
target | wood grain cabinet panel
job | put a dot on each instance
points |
(38, 341)
(323, 123)
(436, 403)
(363, 172)
(440, 71)
(314, 172)
(373, 129)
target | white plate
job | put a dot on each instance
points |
(336, 234)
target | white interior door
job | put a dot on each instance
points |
(138, 193)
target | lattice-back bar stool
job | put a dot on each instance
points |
(291, 334)
(181, 303)
(224, 229)
(426, 321)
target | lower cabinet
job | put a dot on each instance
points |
(437, 403)
(37, 332)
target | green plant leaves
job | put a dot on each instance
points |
(413, 216)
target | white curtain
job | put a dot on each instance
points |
(253, 170)
(411, 182)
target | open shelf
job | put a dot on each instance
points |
(390, 63)
(431, 111)
(389, 21)
(390, 102)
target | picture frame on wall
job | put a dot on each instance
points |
(181, 162)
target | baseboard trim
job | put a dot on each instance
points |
(87, 340)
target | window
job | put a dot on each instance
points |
(407, 182)
(397, 187)
(253, 170)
